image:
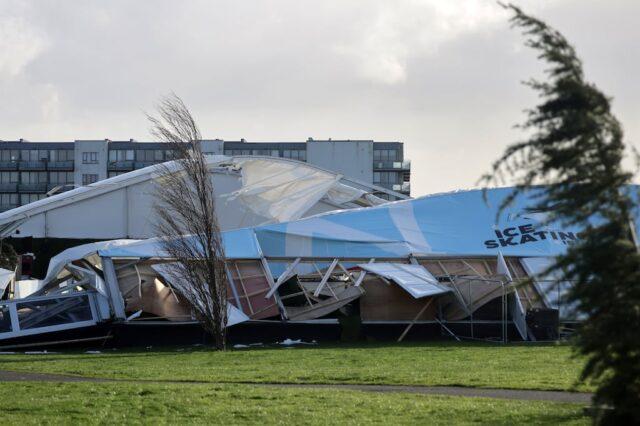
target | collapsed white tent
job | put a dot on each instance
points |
(281, 191)
(448, 248)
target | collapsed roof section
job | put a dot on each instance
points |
(437, 258)
(249, 191)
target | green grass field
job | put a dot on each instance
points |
(231, 398)
(87, 403)
(544, 367)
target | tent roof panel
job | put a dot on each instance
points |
(414, 279)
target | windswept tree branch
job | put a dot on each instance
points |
(575, 150)
(187, 221)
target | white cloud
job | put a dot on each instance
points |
(441, 76)
(20, 44)
(50, 106)
(395, 31)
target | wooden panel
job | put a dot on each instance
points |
(248, 276)
(433, 267)
(456, 267)
(252, 285)
(388, 302)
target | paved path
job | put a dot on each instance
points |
(16, 376)
(527, 395)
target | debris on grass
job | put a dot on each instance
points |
(289, 342)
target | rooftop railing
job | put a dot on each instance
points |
(60, 165)
(121, 165)
(8, 187)
(8, 165)
(32, 187)
(32, 165)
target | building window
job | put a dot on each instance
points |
(61, 178)
(9, 199)
(88, 179)
(295, 154)
(30, 198)
(10, 155)
(385, 155)
(61, 155)
(145, 155)
(89, 158)
(9, 177)
(33, 177)
(386, 178)
(34, 155)
(119, 155)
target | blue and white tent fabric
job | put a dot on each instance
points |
(238, 244)
(458, 223)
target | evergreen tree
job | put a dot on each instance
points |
(575, 149)
(8, 256)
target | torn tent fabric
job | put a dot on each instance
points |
(414, 279)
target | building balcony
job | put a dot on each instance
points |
(385, 185)
(9, 187)
(5, 207)
(32, 165)
(142, 164)
(404, 187)
(392, 165)
(120, 166)
(32, 187)
(8, 165)
(60, 165)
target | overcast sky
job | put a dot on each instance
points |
(442, 76)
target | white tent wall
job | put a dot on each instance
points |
(122, 207)
(94, 218)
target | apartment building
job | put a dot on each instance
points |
(30, 171)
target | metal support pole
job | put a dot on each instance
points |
(471, 316)
(504, 313)
(406, 330)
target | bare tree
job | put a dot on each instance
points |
(187, 221)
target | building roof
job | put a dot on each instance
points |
(13, 218)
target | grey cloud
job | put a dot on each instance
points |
(441, 76)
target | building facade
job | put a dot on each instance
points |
(30, 171)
